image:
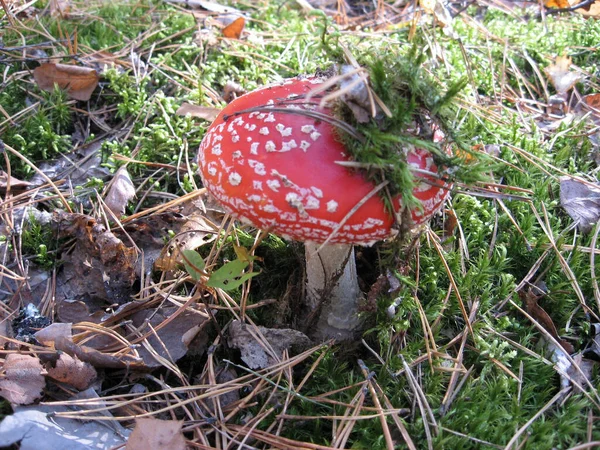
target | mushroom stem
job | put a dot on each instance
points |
(332, 290)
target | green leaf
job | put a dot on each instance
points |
(194, 263)
(230, 276)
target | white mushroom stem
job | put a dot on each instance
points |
(332, 290)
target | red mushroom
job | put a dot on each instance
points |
(271, 158)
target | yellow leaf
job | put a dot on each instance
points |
(556, 4)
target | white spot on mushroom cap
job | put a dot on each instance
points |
(304, 145)
(259, 168)
(216, 150)
(235, 178)
(312, 203)
(285, 131)
(307, 129)
(270, 146)
(274, 185)
(287, 146)
(318, 192)
(264, 131)
(332, 206)
(315, 135)
(270, 117)
(212, 169)
(254, 148)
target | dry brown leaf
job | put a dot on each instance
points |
(234, 29)
(530, 299)
(120, 192)
(4, 323)
(23, 379)
(201, 112)
(561, 76)
(60, 8)
(14, 182)
(155, 434)
(194, 233)
(173, 334)
(254, 353)
(100, 268)
(592, 10)
(69, 369)
(97, 359)
(47, 336)
(560, 4)
(79, 82)
(581, 201)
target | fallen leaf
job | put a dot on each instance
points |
(4, 327)
(47, 336)
(171, 334)
(560, 4)
(234, 29)
(23, 379)
(69, 369)
(254, 353)
(589, 104)
(561, 76)
(200, 112)
(96, 358)
(191, 233)
(155, 434)
(99, 269)
(592, 10)
(530, 298)
(79, 82)
(60, 8)
(581, 201)
(78, 166)
(120, 191)
(569, 374)
(15, 183)
(38, 428)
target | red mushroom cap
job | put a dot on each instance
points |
(270, 162)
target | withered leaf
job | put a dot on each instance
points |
(530, 299)
(79, 82)
(60, 8)
(200, 112)
(14, 183)
(561, 76)
(173, 333)
(47, 336)
(581, 201)
(194, 232)
(234, 29)
(100, 268)
(69, 369)
(23, 379)
(97, 358)
(120, 192)
(254, 353)
(150, 433)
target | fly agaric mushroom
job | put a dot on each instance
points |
(271, 158)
